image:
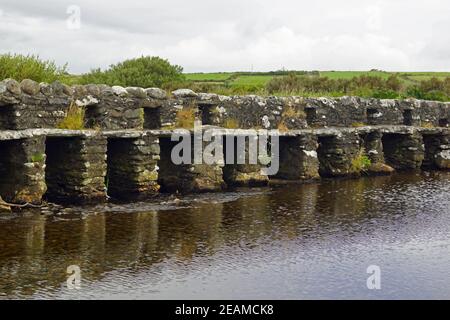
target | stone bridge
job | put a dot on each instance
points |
(124, 152)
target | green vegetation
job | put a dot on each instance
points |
(37, 157)
(21, 67)
(148, 71)
(374, 83)
(360, 163)
(140, 72)
(74, 119)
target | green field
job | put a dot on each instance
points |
(261, 79)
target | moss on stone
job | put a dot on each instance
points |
(37, 157)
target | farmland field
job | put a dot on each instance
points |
(260, 79)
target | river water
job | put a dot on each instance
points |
(310, 241)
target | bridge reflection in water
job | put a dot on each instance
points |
(312, 240)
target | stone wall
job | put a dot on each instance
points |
(32, 105)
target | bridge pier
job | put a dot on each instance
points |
(373, 149)
(76, 168)
(403, 151)
(132, 167)
(187, 177)
(336, 154)
(22, 165)
(239, 170)
(437, 151)
(298, 158)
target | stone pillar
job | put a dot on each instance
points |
(298, 158)
(437, 151)
(239, 171)
(403, 151)
(373, 148)
(132, 168)
(76, 168)
(337, 155)
(22, 164)
(187, 177)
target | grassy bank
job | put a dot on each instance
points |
(375, 83)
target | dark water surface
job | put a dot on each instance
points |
(306, 241)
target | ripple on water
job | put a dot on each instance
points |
(308, 241)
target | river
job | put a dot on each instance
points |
(309, 241)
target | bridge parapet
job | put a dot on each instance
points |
(29, 105)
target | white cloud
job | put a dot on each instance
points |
(232, 35)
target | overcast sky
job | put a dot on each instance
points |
(231, 35)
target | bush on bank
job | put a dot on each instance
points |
(140, 72)
(21, 67)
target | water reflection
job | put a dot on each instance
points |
(244, 244)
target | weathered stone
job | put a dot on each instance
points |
(30, 87)
(403, 151)
(57, 88)
(22, 164)
(156, 93)
(46, 89)
(337, 155)
(187, 178)
(120, 91)
(380, 169)
(92, 89)
(137, 92)
(184, 93)
(298, 158)
(76, 169)
(437, 151)
(79, 90)
(12, 86)
(132, 173)
(67, 90)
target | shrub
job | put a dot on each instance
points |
(385, 94)
(360, 163)
(21, 67)
(140, 72)
(74, 119)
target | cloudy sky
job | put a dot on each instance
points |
(230, 35)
